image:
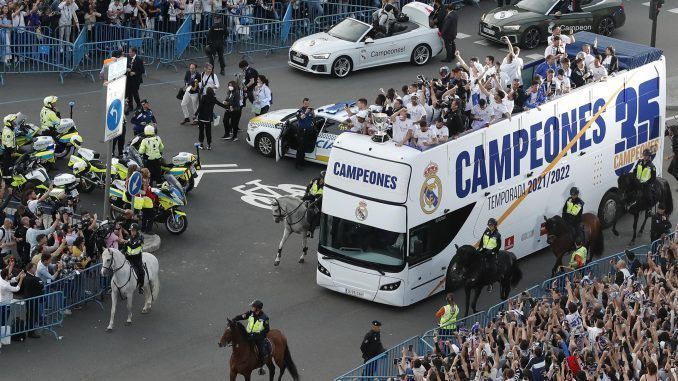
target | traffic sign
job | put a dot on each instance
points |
(117, 69)
(115, 98)
(134, 183)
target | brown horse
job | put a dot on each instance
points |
(561, 237)
(244, 358)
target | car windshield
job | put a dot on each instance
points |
(354, 241)
(349, 30)
(537, 6)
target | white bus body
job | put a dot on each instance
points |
(392, 215)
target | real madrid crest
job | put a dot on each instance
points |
(361, 211)
(431, 190)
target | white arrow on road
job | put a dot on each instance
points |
(218, 168)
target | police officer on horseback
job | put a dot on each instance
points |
(314, 194)
(490, 243)
(573, 210)
(646, 173)
(135, 245)
(257, 328)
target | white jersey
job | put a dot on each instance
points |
(424, 137)
(400, 129)
(575, 322)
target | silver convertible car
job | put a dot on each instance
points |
(353, 45)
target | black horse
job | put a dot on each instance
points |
(634, 201)
(561, 237)
(471, 270)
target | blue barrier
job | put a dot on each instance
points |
(79, 287)
(32, 314)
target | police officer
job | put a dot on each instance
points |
(151, 150)
(135, 245)
(660, 223)
(490, 243)
(305, 117)
(371, 346)
(579, 255)
(314, 194)
(257, 327)
(215, 38)
(448, 316)
(8, 145)
(646, 173)
(49, 115)
(572, 211)
(142, 117)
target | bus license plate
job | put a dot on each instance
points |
(359, 294)
(488, 31)
(297, 59)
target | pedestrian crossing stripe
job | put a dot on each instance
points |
(647, 4)
(674, 10)
(462, 35)
(482, 42)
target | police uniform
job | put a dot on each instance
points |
(448, 322)
(578, 258)
(9, 147)
(49, 120)
(142, 118)
(660, 225)
(371, 345)
(151, 148)
(572, 212)
(215, 37)
(304, 126)
(135, 247)
(490, 243)
(646, 173)
(314, 194)
(257, 327)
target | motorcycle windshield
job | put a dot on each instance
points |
(133, 154)
(176, 189)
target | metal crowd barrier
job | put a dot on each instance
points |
(386, 364)
(322, 23)
(268, 37)
(382, 366)
(79, 287)
(94, 53)
(27, 315)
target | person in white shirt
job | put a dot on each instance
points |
(6, 289)
(564, 38)
(598, 71)
(358, 122)
(18, 16)
(411, 89)
(425, 137)
(208, 79)
(555, 49)
(207, 5)
(115, 12)
(33, 200)
(512, 64)
(67, 18)
(481, 115)
(262, 96)
(442, 132)
(401, 127)
(563, 85)
(588, 57)
(489, 69)
(415, 109)
(7, 240)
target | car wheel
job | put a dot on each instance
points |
(342, 67)
(421, 54)
(605, 26)
(265, 144)
(531, 38)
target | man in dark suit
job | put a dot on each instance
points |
(135, 77)
(449, 33)
(32, 287)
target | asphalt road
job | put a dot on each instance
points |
(225, 258)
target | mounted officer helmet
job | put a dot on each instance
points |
(574, 191)
(647, 153)
(578, 241)
(491, 222)
(444, 69)
(134, 226)
(257, 304)
(149, 130)
(49, 101)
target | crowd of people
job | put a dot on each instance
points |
(619, 326)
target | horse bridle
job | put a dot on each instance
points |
(110, 268)
(284, 216)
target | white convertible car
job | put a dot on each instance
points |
(353, 45)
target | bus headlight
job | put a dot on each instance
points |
(323, 270)
(390, 286)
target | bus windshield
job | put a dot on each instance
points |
(356, 242)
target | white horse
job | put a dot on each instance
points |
(124, 281)
(294, 212)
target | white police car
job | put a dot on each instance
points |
(352, 45)
(275, 132)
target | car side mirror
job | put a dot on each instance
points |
(369, 40)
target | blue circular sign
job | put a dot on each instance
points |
(113, 115)
(134, 183)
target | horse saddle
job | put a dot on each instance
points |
(267, 348)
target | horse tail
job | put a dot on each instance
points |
(290, 364)
(516, 273)
(668, 197)
(156, 286)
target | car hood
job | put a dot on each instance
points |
(320, 43)
(511, 15)
(273, 117)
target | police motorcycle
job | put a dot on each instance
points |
(184, 165)
(87, 166)
(170, 197)
(64, 134)
(28, 172)
(28, 142)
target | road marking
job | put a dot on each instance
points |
(482, 42)
(462, 35)
(647, 4)
(674, 10)
(535, 57)
(219, 168)
(261, 195)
